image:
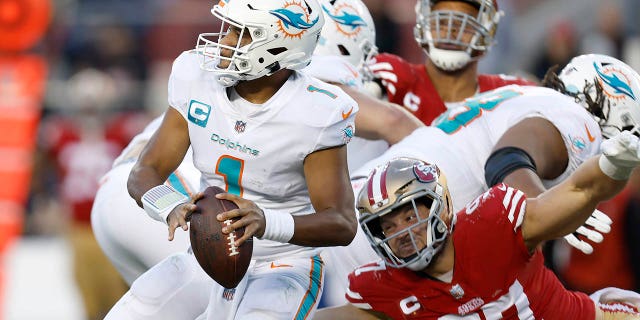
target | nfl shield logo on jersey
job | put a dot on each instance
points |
(228, 294)
(240, 126)
(457, 291)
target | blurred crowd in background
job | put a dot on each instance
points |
(109, 61)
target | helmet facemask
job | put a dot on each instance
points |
(423, 250)
(452, 39)
(210, 47)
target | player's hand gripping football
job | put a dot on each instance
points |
(179, 216)
(250, 217)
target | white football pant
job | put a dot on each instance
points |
(132, 240)
(174, 289)
(283, 289)
(177, 288)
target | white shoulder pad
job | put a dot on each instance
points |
(184, 73)
(340, 108)
(334, 69)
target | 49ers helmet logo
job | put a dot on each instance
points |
(425, 172)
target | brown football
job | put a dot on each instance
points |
(219, 258)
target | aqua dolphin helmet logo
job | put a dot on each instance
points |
(293, 19)
(347, 19)
(611, 78)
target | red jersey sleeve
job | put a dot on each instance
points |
(360, 293)
(395, 73)
(493, 222)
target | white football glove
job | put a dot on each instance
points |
(600, 222)
(620, 155)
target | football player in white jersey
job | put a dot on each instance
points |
(346, 44)
(275, 138)
(122, 228)
(554, 132)
(530, 137)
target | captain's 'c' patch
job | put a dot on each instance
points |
(199, 113)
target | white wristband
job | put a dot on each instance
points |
(279, 226)
(613, 171)
(160, 200)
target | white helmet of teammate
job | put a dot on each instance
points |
(608, 88)
(348, 31)
(401, 182)
(437, 43)
(283, 33)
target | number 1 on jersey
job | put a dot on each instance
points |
(231, 168)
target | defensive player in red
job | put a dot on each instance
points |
(483, 262)
(454, 34)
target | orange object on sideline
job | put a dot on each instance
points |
(23, 23)
(15, 174)
(21, 90)
(22, 82)
(11, 217)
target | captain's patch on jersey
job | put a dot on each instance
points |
(199, 113)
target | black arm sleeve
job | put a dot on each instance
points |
(504, 161)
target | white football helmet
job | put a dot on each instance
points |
(608, 88)
(429, 35)
(402, 181)
(348, 31)
(283, 33)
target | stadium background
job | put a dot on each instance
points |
(103, 67)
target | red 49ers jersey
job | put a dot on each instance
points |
(409, 85)
(494, 276)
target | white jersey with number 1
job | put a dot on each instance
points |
(258, 151)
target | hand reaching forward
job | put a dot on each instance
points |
(620, 155)
(597, 224)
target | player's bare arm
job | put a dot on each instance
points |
(348, 312)
(381, 120)
(565, 207)
(161, 155)
(333, 224)
(541, 140)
